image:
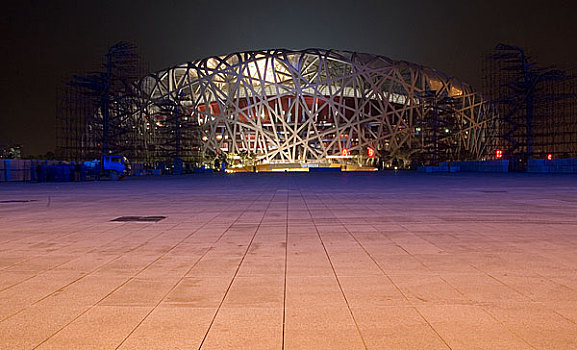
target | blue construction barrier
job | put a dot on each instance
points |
(324, 169)
(480, 166)
(559, 166)
(33, 170)
(40, 170)
(439, 169)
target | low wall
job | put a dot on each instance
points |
(481, 166)
(438, 169)
(476, 166)
(561, 166)
(35, 170)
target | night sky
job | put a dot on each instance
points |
(45, 42)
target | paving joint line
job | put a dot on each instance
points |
(526, 296)
(391, 280)
(338, 281)
(459, 291)
(125, 282)
(235, 273)
(455, 288)
(41, 255)
(81, 277)
(186, 273)
(285, 273)
(40, 273)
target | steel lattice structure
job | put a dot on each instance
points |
(99, 112)
(320, 106)
(537, 106)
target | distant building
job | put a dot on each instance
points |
(10, 151)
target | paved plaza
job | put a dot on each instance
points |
(291, 261)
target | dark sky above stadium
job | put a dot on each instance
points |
(45, 42)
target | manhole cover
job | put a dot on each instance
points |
(19, 201)
(139, 218)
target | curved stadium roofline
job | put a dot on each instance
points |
(316, 50)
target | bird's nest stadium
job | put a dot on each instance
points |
(307, 108)
(324, 106)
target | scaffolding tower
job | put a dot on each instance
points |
(172, 134)
(99, 113)
(537, 107)
(112, 112)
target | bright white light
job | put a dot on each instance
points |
(266, 69)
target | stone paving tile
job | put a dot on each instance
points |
(246, 328)
(425, 288)
(469, 327)
(371, 291)
(171, 327)
(106, 325)
(256, 292)
(37, 323)
(199, 292)
(482, 288)
(140, 292)
(566, 309)
(292, 261)
(33, 290)
(396, 327)
(312, 291)
(537, 325)
(321, 327)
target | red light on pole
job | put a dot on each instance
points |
(345, 152)
(370, 152)
(499, 154)
(549, 156)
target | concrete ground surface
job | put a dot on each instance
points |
(291, 261)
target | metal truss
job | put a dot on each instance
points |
(320, 106)
(99, 112)
(537, 106)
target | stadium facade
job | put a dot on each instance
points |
(323, 106)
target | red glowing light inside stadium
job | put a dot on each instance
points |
(370, 152)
